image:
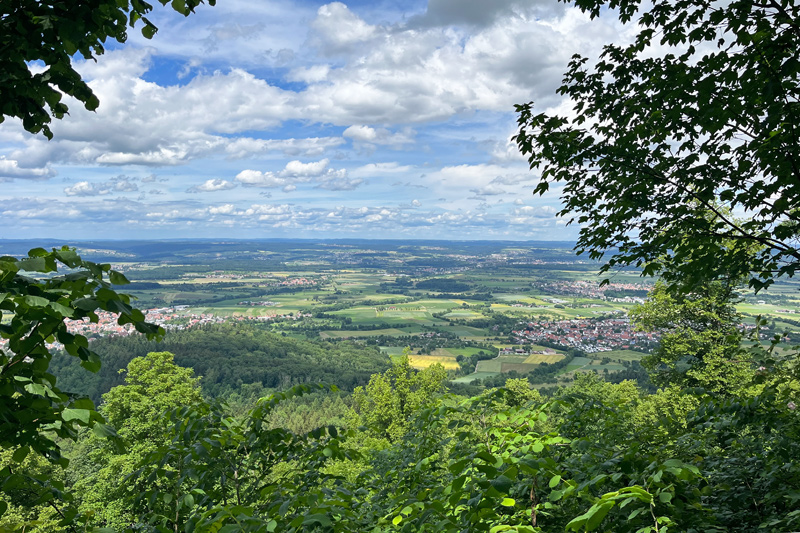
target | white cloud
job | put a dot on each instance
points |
(84, 188)
(10, 168)
(339, 30)
(116, 184)
(212, 185)
(323, 102)
(298, 172)
(255, 178)
(382, 136)
(304, 170)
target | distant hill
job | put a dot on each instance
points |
(228, 356)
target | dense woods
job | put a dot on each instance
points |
(229, 356)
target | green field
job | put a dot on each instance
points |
(536, 359)
(621, 355)
(475, 375)
(392, 332)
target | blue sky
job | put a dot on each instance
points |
(306, 119)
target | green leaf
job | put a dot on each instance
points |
(76, 414)
(597, 517)
(117, 278)
(61, 309)
(508, 502)
(317, 519)
(502, 483)
(180, 6)
(33, 264)
(20, 454)
(103, 430)
(36, 301)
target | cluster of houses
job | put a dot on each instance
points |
(591, 289)
(587, 335)
(522, 351)
(166, 317)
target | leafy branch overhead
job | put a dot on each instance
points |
(39, 39)
(38, 303)
(664, 148)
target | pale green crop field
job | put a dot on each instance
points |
(492, 365)
(621, 355)
(465, 331)
(392, 351)
(392, 332)
(475, 375)
(537, 359)
(464, 314)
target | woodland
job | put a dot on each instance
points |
(682, 158)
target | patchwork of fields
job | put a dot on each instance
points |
(412, 298)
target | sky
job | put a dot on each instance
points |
(299, 119)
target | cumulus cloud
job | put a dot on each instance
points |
(10, 168)
(256, 178)
(410, 117)
(212, 185)
(298, 169)
(298, 172)
(406, 75)
(367, 135)
(338, 30)
(116, 184)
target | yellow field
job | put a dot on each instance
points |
(549, 358)
(424, 361)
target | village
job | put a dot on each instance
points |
(588, 335)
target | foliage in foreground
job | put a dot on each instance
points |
(597, 456)
(694, 120)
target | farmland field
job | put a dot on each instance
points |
(444, 300)
(536, 359)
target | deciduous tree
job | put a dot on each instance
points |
(38, 40)
(695, 119)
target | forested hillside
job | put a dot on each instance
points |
(228, 356)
